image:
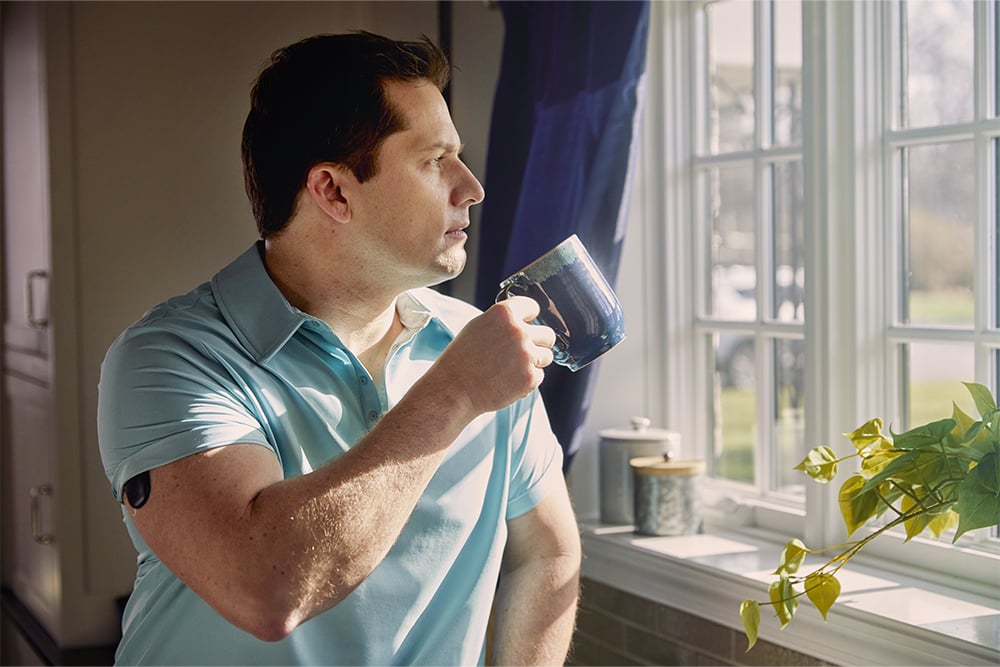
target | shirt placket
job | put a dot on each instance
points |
(338, 357)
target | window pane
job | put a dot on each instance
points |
(730, 72)
(734, 407)
(932, 379)
(939, 246)
(789, 242)
(789, 417)
(732, 245)
(787, 72)
(938, 62)
(735, 362)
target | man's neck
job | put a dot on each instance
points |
(364, 318)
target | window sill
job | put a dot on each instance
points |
(881, 618)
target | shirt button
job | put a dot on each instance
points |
(373, 415)
(363, 379)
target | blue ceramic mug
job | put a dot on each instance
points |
(575, 300)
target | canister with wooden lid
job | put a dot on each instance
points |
(618, 447)
(667, 497)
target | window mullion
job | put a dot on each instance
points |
(982, 291)
(985, 287)
(983, 89)
(682, 63)
(764, 459)
(834, 330)
(763, 230)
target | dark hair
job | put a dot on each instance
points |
(323, 100)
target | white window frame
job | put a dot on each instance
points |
(848, 199)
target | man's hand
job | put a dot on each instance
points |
(498, 357)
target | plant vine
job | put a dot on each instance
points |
(937, 477)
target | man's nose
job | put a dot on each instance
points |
(471, 190)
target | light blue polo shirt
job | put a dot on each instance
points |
(233, 362)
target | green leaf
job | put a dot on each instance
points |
(930, 469)
(943, 523)
(820, 464)
(915, 525)
(898, 469)
(979, 495)
(978, 450)
(791, 557)
(750, 614)
(823, 590)
(963, 423)
(983, 398)
(857, 505)
(867, 434)
(877, 459)
(784, 600)
(927, 434)
(977, 433)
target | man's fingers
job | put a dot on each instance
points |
(542, 335)
(545, 357)
(522, 307)
(526, 309)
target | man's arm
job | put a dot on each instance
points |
(535, 610)
(269, 553)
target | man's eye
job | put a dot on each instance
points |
(435, 161)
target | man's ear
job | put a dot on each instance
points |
(325, 184)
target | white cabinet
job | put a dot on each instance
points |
(46, 483)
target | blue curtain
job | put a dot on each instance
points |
(560, 155)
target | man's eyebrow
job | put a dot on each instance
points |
(445, 146)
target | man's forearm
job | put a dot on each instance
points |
(536, 612)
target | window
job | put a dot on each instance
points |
(941, 142)
(941, 159)
(838, 166)
(748, 207)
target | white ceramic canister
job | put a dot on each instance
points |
(667, 498)
(618, 446)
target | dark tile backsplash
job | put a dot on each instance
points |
(618, 628)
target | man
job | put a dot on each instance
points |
(321, 460)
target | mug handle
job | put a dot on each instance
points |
(560, 349)
(508, 285)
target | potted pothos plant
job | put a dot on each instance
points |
(941, 476)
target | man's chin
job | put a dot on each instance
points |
(450, 267)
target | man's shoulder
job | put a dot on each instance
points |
(192, 315)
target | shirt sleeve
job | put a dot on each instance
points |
(161, 398)
(536, 462)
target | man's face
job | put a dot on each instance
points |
(416, 207)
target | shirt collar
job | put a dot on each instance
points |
(253, 306)
(263, 320)
(423, 306)
(412, 313)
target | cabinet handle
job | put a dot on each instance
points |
(29, 299)
(36, 514)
